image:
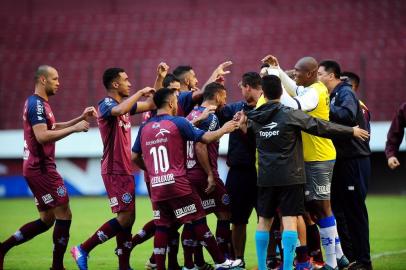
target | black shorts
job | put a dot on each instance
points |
(241, 185)
(288, 199)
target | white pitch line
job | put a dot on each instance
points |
(387, 253)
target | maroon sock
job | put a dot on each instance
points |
(198, 253)
(173, 244)
(124, 247)
(61, 239)
(187, 244)
(301, 254)
(144, 234)
(104, 233)
(206, 238)
(223, 236)
(160, 244)
(152, 258)
(25, 233)
(313, 242)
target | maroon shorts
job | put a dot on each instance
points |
(216, 201)
(178, 210)
(121, 191)
(49, 190)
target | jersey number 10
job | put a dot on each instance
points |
(160, 156)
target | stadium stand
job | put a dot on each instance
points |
(82, 38)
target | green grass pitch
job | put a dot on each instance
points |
(387, 232)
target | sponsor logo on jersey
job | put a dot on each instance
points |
(40, 108)
(159, 251)
(162, 180)
(126, 198)
(47, 198)
(190, 163)
(113, 201)
(210, 203)
(225, 199)
(159, 140)
(186, 210)
(126, 125)
(267, 131)
(61, 191)
(157, 214)
(162, 132)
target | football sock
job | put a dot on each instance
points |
(223, 237)
(339, 250)
(327, 235)
(313, 242)
(144, 234)
(261, 243)
(206, 238)
(25, 233)
(173, 244)
(289, 240)
(124, 247)
(104, 233)
(160, 244)
(61, 239)
(188, 245)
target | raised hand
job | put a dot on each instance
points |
(360, 133)
(271, 60)
(220, 70)
(162, 69)
(88, 113)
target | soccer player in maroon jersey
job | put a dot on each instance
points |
(41, 131)
(115, 129)
(160, 149)
(203, 175)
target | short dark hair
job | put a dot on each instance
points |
(180, 71)
(272, 87)
(265, 65)
(352, 76)
(252, 79)
(109, 75)
(161, 96)
(332, 67)
(169, 78)
(211, 90)
(42, 70)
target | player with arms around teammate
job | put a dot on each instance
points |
(203, 175)
(115, 130)
(281, 175)
(160, 150)
(41, 131)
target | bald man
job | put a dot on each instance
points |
(41, 131)
(308, 94)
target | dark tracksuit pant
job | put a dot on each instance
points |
(348, 193)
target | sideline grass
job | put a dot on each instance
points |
(386, 213)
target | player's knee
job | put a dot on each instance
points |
(48, 219)
(126, 219)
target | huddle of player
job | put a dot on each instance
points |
(273, 148)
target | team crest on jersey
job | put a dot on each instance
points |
(108, 101)
(162, 132)
(127, 198)
(156, 125)
(61, 191)
(157, 214)
(225, 199)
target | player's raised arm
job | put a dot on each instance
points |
(128, 104)
(218, 74)
(44, 135)
(87, 114)
(228, 127)
(161, 71)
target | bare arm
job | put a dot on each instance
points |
(145, 106)
(211, 136)
(125, 106)
(43, 135)
(203, 158)
(162, 70)
(86, 115)
(138, 160)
